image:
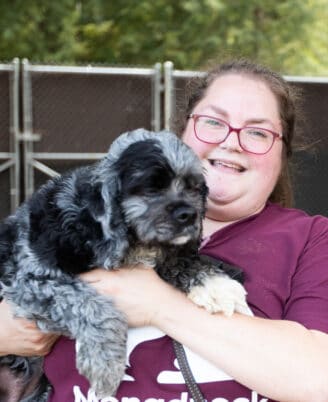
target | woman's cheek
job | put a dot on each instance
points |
(200, 148)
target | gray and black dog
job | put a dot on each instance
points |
(144, 202)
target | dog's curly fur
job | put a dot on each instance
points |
(144, 202)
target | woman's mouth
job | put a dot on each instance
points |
(227, 165)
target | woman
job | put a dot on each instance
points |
(240, 121)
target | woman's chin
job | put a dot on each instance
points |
(221, 198)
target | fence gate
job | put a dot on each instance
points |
(53, 118)
(72, 114)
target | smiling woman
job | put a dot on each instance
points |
(231, 169)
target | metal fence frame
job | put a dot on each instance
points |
(35, 160)
(20, 158)
(12, 158)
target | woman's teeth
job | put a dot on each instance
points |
(229, 165)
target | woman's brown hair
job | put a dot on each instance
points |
(285, 94)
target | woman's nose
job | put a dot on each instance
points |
(231, 142)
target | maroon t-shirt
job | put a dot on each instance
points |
(284, 255)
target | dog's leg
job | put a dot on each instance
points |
(60, 303)
(216, 289)
(220, 293)
(206, 283)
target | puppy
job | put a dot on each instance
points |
(143, 203)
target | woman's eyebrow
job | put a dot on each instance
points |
(218, 110)
(252, 120)
(258, 121)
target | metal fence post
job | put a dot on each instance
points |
(156, 102)
(14, 137)
(27, 130)
(168, 94)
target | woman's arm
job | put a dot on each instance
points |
(280, 359)
(22, 337)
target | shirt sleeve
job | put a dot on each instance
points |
(308, 301)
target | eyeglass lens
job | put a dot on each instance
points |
(252, 139)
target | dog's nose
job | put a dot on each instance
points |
(184, 214)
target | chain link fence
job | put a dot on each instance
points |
(54, 118)
(72, 114)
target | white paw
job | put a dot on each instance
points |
(220, 294)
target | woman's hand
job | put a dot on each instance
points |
(22, 337)
(137, 291)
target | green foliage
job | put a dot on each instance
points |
(289, 35)
(39, 30)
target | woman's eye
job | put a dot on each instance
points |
(257, 133)
(214, 123)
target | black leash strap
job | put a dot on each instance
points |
(186, 372)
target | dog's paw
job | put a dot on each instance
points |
(103, 370)
(106, 383)
(220, 294)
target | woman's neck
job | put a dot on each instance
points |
(212, 225)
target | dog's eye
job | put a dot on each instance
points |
(152, 191)
(149, 183)
(156, 187)
(147, 189)
(156, 183)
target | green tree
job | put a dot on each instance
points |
(39, 30)
(289, 35)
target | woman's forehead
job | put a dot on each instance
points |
(238, 94)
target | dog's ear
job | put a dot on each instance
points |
(104, 199)
(109, 187)
(93, 193)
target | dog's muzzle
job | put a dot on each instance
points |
(184, 218)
